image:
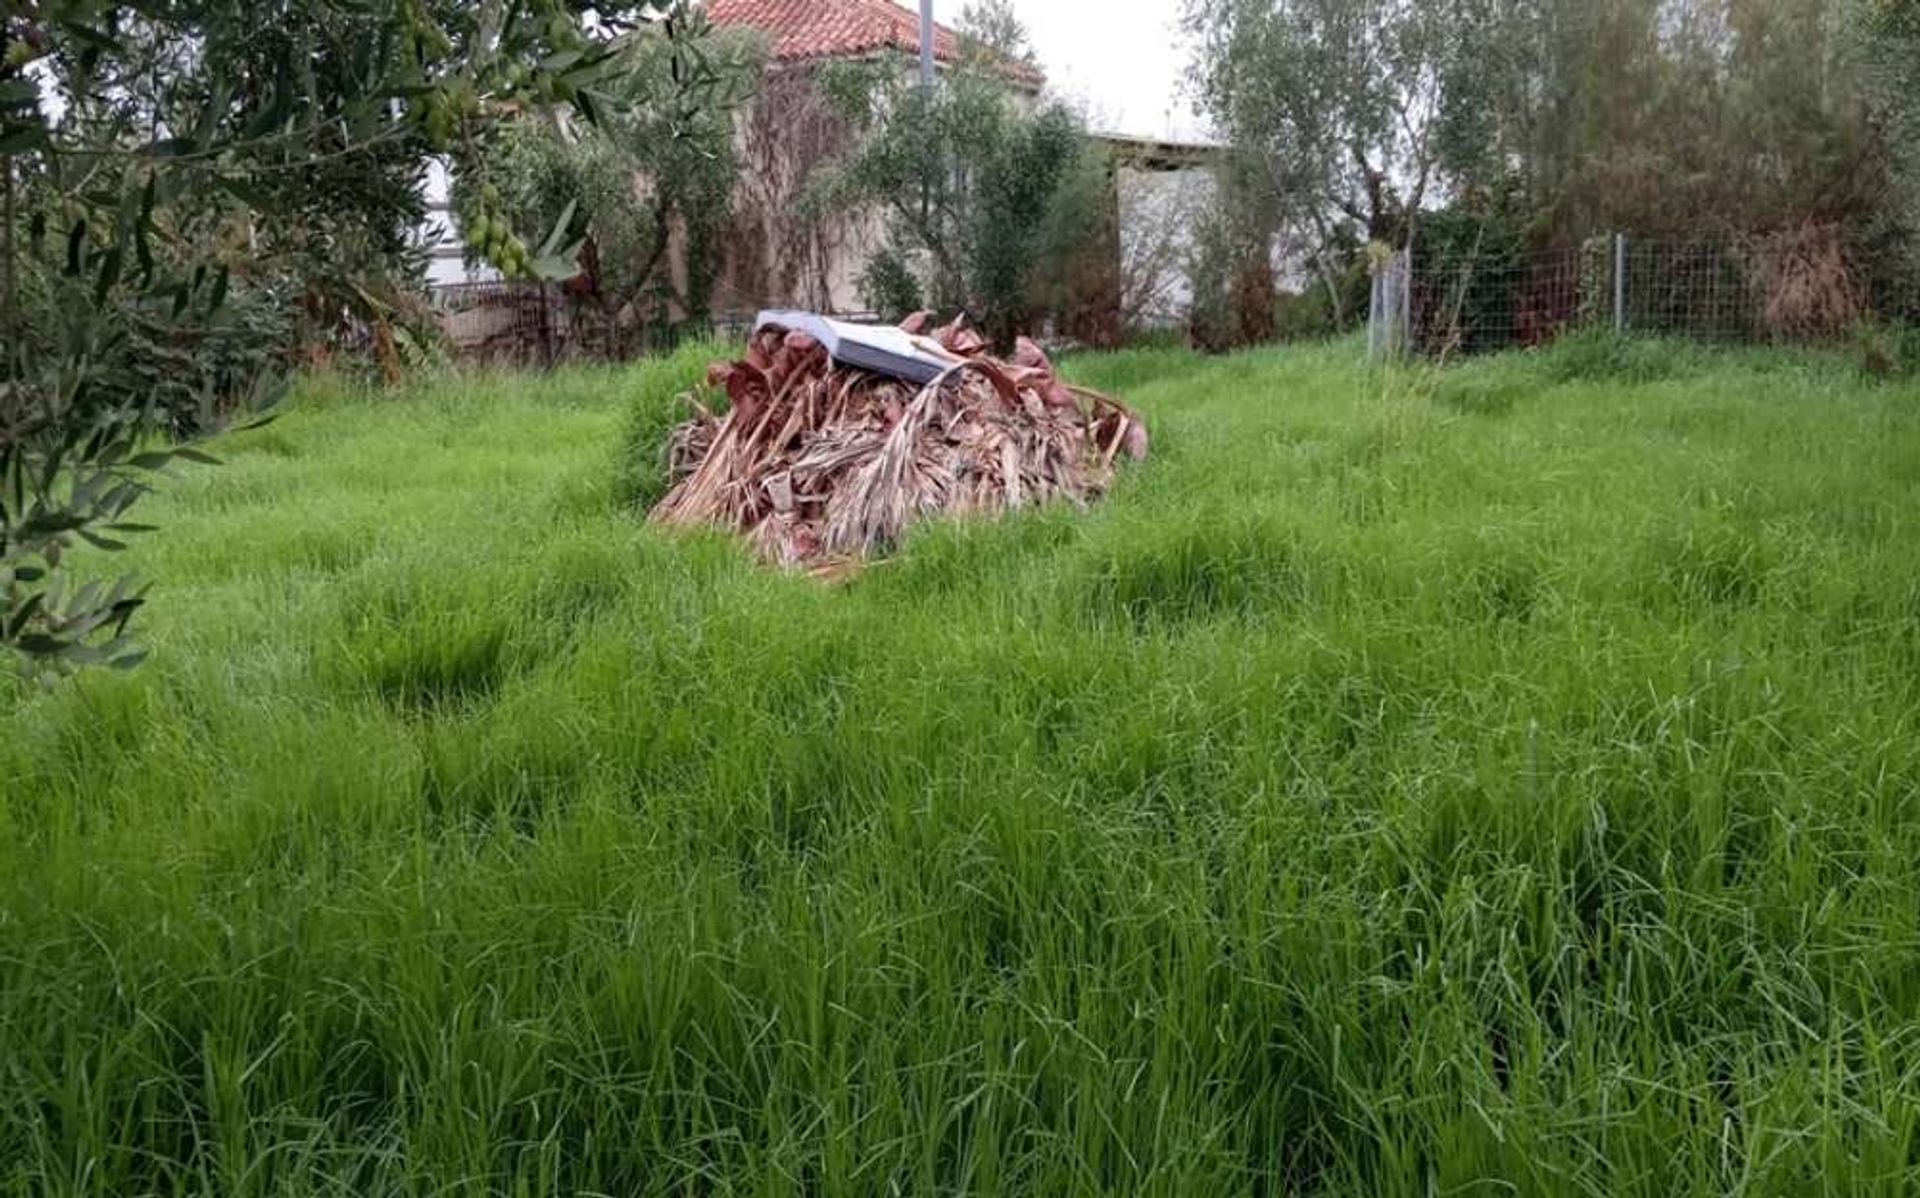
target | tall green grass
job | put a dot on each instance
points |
(1501, 782)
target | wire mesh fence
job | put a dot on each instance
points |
(1441, 301)
(1705, 290)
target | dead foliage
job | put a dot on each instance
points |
(1807, 286)
(821, 466)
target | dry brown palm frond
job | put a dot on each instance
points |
(821, 466)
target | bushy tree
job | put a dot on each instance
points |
(1632, 113)
(1890, 30)
(994, 29)
(1659, 116)
(1231, 268)
(967, 179)
(1336, 99)
(659, 166)
(1336, 111)
(1562, 119)
(169, 171)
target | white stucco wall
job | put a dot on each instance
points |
(1160, 211)
(440, 234)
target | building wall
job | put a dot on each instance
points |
(440, 234)
(1161, 209)
(788, 248)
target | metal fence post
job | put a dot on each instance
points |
(1619, 284)
(1373, 317)
(546, 328)
(1403, 317)
(1390, 311)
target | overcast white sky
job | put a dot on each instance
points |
(1124, 59)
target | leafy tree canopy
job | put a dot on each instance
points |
(660, 163)
(993, 27)
(971, 183)
(1671, 118)
(176, 173)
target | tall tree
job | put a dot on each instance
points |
(1891, 54)
(149, 152)
(1337, 99)
(1559, 119)
(969, 182)
(993, 26)
(647, 191)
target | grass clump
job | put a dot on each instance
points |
(655, 409)
(1888, 353)
(1514, 792)
(1219, 563)
(1598, 355)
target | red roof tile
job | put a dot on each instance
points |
(806, 29)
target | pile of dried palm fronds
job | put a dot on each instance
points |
(820, 465)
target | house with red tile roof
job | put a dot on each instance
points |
(783, 254)
(818, 30)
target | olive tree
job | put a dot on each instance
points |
(1334, 109)
(1891, 29)
(156, 158)
(970, 183)
(1550, 121)
(657, 169)
(992, 28)
(1337, 99)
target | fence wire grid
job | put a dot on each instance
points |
(1438, 303)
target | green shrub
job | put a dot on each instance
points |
(640, 474)
(1232, 279)
(1484, 393)
(1311, 313)
(1464, 265)
(1602, 356)
(889, 287)
(1888, 353)
(971, 179)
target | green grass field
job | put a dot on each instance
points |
(1504, 782)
